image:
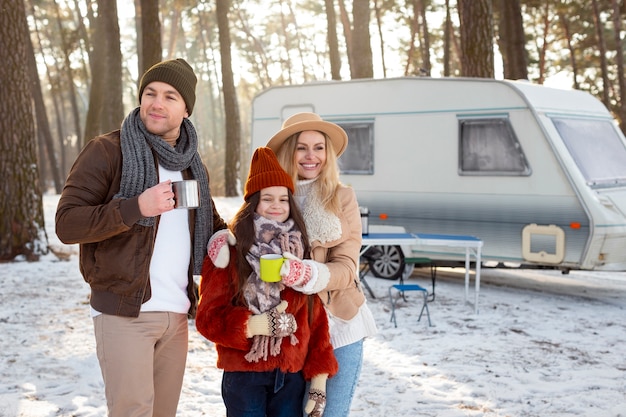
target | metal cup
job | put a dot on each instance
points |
(186, 194)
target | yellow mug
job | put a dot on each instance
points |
(270, 267)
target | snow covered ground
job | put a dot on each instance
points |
(543, 344)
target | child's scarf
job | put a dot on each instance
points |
(261, 296)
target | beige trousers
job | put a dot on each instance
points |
(143, 362)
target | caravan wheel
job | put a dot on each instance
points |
(390, 265)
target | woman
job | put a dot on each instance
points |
(307, 148)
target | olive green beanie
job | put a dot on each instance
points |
(177, 73)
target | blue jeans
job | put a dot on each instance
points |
(263, 394)
(340, 388)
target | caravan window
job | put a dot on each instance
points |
(596, 148)
(490, 147)
(358, 157)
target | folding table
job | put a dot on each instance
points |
(471, 244)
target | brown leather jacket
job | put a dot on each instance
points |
(115, 252)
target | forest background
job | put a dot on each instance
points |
(70, 69)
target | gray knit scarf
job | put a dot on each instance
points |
(139, 172)
(261, 296)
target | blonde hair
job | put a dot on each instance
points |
(328, 181)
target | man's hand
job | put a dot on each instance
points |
(156, 200)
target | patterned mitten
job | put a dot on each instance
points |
(217, 248)
(296, 272)
(305, 276)
(317, 396)
(275, 323)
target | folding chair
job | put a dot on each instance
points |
(401, 289)
(423, 262)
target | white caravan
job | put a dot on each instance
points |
(537, 173)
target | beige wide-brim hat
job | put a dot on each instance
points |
(300, 122)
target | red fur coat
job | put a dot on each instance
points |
(224, 324)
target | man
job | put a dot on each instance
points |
(137, 253)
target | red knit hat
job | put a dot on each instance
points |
(265, 171)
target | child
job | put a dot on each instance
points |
(269, 338)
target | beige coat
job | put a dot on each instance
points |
(343, 295)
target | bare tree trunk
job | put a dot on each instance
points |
(231, 106)
(149, 49)
(113, 112)
(212, 143)
(619, 58)
(64, 145)
(171, 47)
(425, 40)
(44, 135)
(602, 50)
(22, 230)
(512, 40)
(333, 42)
(572, 53)
(347, 33)
(410, 58)
(43, 126)
(457, 55)
(476, 38)
(71, 90)
(447, 34)
(214, 105)
(82, 32)
(362, 49)
(96, 93)
(56, 92)
(105, 99)
(379, 25)
(544, 43)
